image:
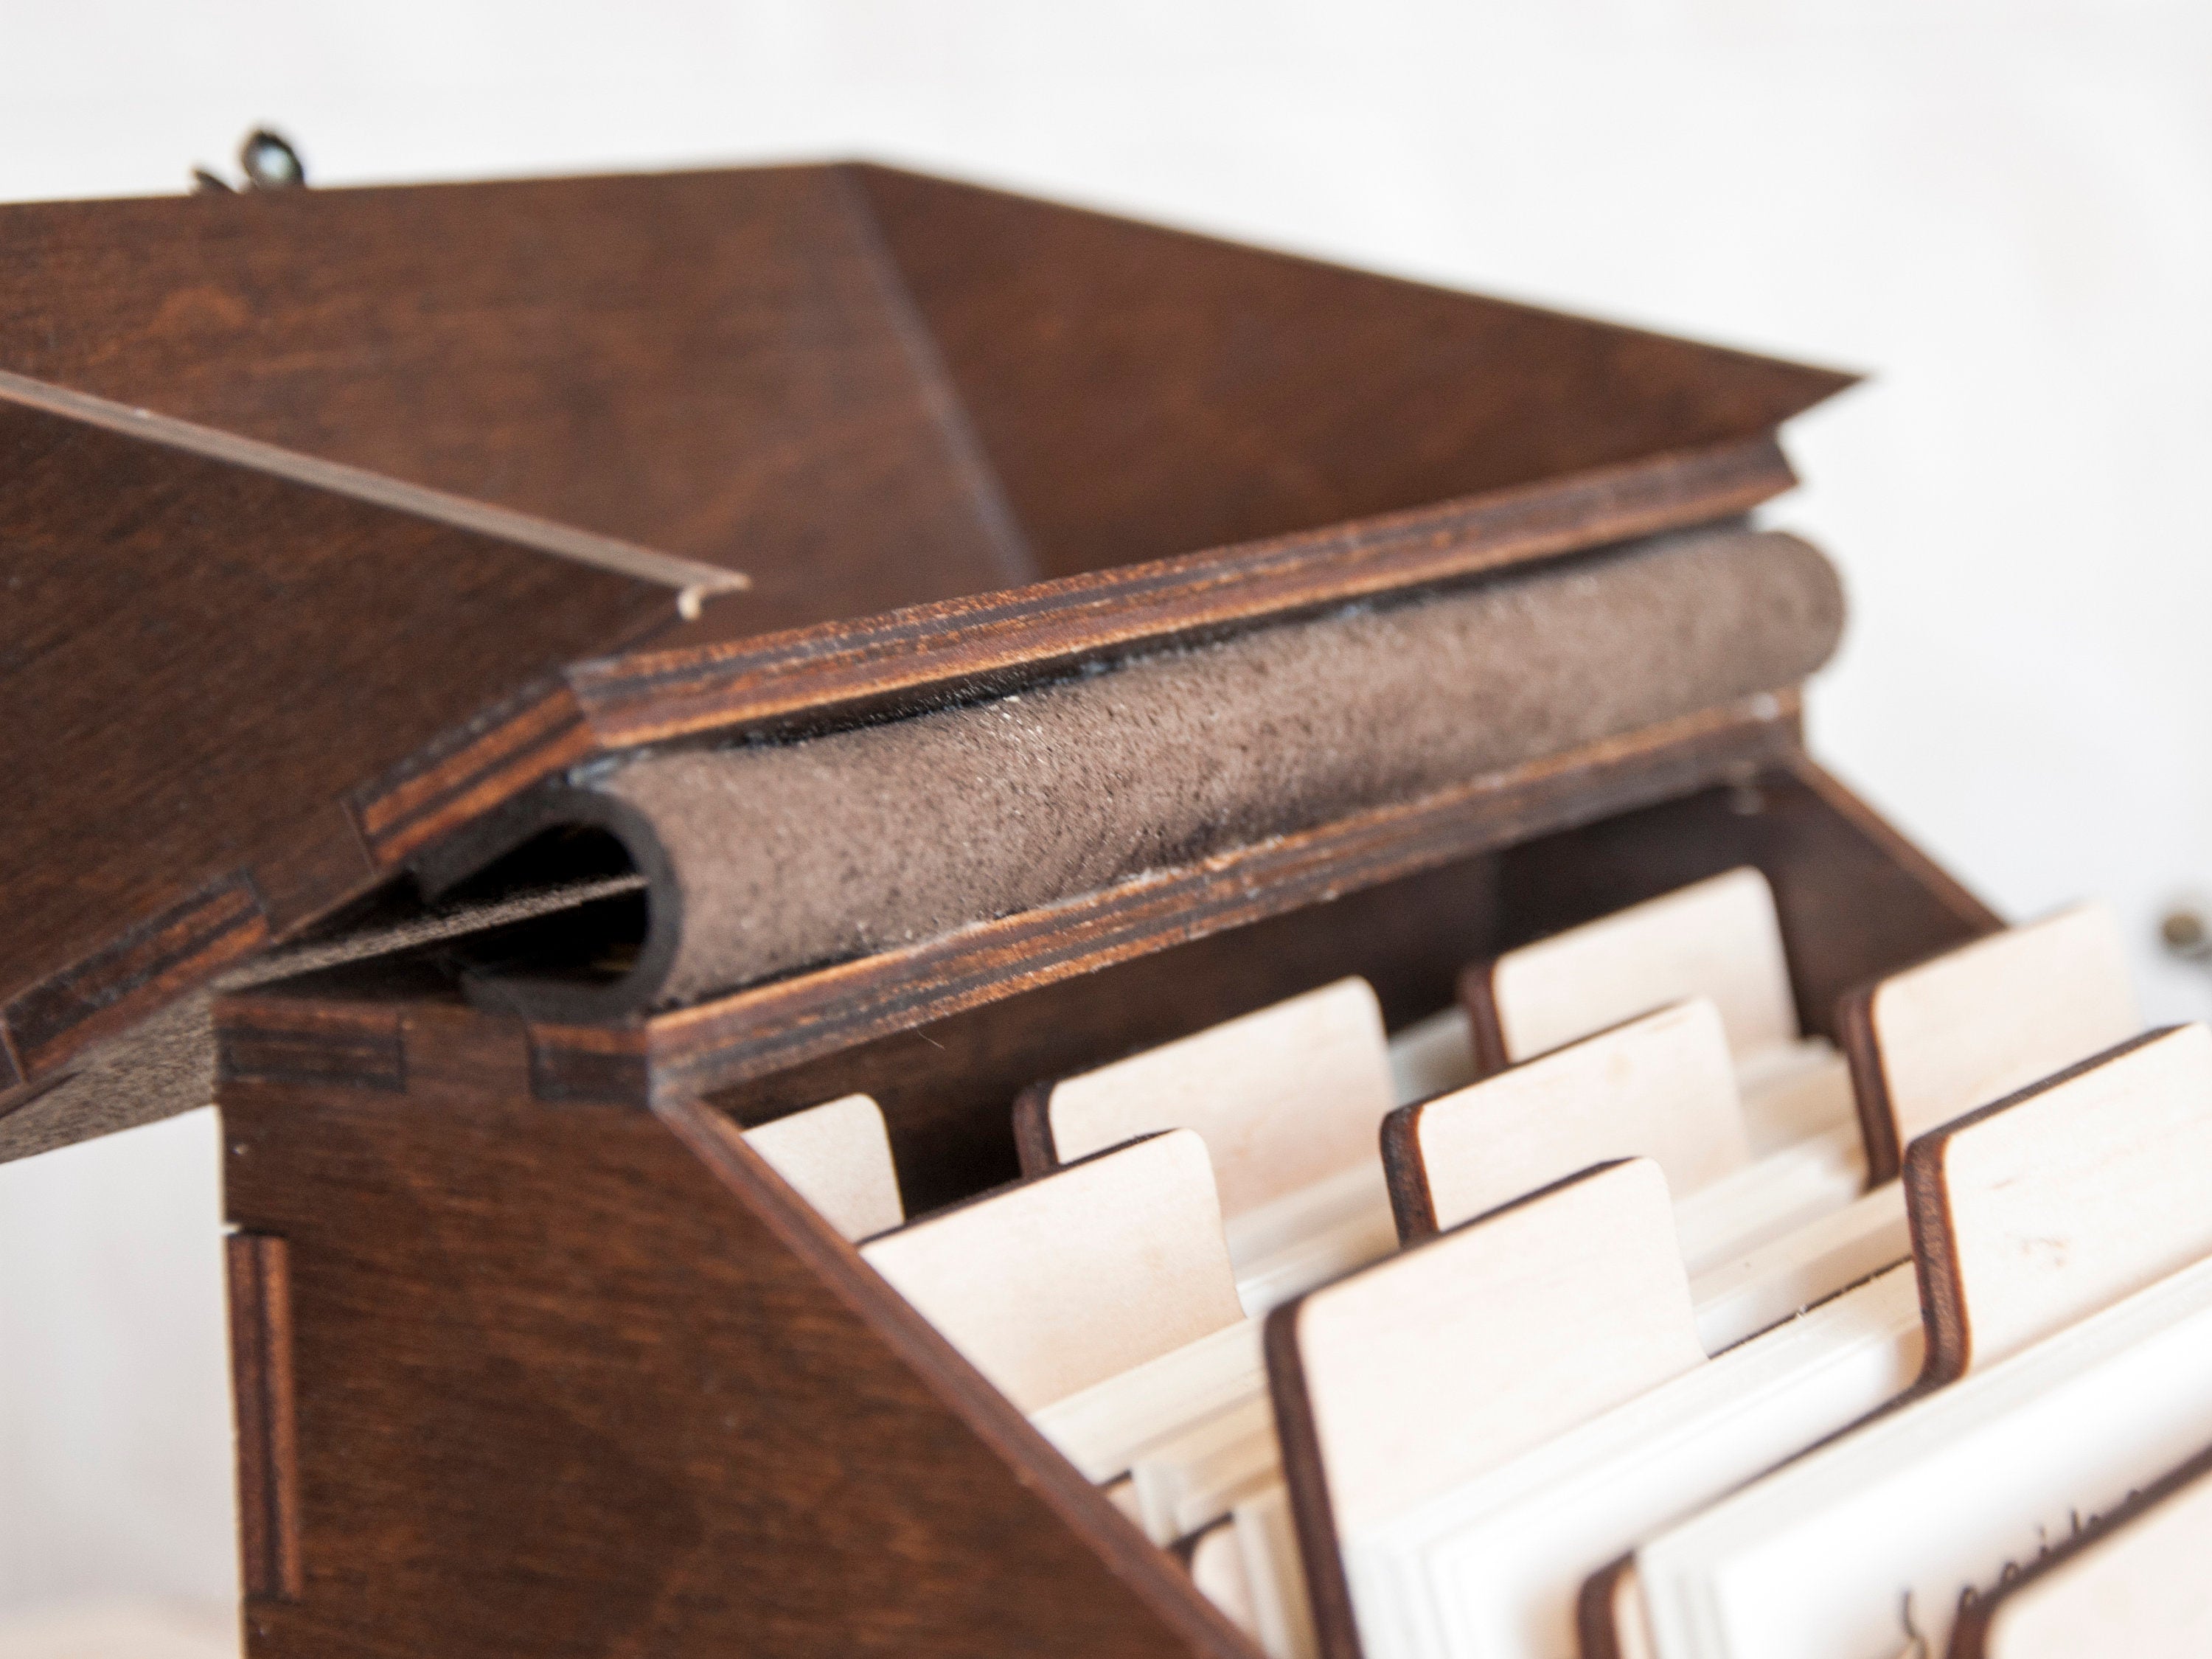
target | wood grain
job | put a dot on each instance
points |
(1660, 1087)
(930, 654)
(555, 1374)
(1979, 1022)
(837, 1156)
(1717, 938)
(1283, 1097)
(1421, 1372)
(1855, 897)
(286, 412)
(257, 1275)
(1096, 357)
(1059, 1283)
(711, 365)
(2041, 1208)
(201, 661)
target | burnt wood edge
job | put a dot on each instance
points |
(1405, 1173)
(1854, 1013)
(1978, 1612)
(47, 1025)
(467, 773)
(258, 1269)
(1149, 1572)
(1478, 999)
(1596, 1629)
(1945, 1313)
(1033, 1142)
(1877, 1114)
(1313, 1516)
(609, 554)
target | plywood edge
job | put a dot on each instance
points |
(1405, 1173)
(1313, 1510)
(257, 1278)
(1033, 1143)
(1877, 1115)
(1150, 1574)
(688, 578)
(1946, 1297)
(1478, 999)
(925, 655)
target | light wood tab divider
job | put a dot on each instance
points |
(1423, 1370)
(1974, 1024)
(837, 1156)
(1660, 1087)
(1718, 937)
(1052, 1285)
(2041, 1209)
(1284, 1097)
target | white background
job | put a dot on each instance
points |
(2002, 210)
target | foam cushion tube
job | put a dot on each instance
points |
(763, 860)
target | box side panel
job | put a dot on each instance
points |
(561, 1391)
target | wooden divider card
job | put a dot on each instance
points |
(1055, 1283)
(1719, 938)
(1416, 1375)
(1287, 1100)
(1495, 1566)
(837, 1156)
(1762, 1238)
(2030, 1219)
(1975, 1024)
(1661, 1087)
(2138, 1587)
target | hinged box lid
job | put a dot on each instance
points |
(323, 513)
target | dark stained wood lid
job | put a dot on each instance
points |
(330, 519)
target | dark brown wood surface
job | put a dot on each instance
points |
(563, 1388)
(719, 365)
(259, 1280)
(199, 659)
(239, 700)
(555, 1373)
(939, 653)
(1945, 1316)
(1097, 357)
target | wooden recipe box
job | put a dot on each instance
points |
(346, 520)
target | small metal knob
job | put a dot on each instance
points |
(270, 162)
